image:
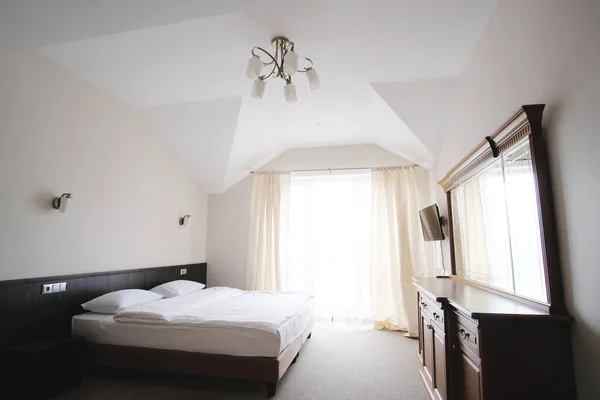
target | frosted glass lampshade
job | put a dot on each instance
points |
(258, 89)
(63, 203)
(290, 93)
(290, 63)
(185, 220)
(254, 68)
(313, 79)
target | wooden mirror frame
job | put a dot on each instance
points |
(525, 122)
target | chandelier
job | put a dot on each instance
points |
(285, 65)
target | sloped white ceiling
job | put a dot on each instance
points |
(202, 132)
(182, 63)
(424, 106)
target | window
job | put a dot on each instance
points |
(329, 244)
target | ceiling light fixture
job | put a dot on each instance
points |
(285, 65)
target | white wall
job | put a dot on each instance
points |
(59, 134)
(229, 212)
(547, 51)
(228, 228)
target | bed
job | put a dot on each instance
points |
(218, 332)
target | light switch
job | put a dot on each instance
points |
(183, 271)
(62, 287)
(55, 288)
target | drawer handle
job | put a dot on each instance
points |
(436, 317)
(464, 334)
(429, 326)
(423, 305)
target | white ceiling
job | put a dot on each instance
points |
(183, 63)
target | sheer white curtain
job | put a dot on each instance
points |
(397, 248)
(481, 230)
(501, 244)
(474, 240)
(329, 241)
(266, 265)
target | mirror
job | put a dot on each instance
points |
(496, 226)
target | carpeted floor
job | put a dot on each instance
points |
(332, 366)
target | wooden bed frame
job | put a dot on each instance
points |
(263, 369)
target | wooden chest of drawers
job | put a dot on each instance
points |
(432, 347)
(477, 345)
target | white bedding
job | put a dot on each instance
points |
(215, 320)
(220, 306)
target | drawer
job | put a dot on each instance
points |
(467, 333)
(432, 310)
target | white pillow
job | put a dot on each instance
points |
(111, 303)
(177, 288)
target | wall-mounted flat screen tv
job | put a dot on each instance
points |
(431, 223)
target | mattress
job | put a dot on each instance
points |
(214, 339)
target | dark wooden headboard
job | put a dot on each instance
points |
(27, 313)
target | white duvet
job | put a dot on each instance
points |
(219, 306)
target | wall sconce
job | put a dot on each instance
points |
(60, 203)
(185, 220)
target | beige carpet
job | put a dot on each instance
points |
(369, 365)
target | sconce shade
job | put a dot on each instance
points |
(290, 63)
(289, 91)
(185, 220)
(254, 67)
(60, 203)
(258, 89)
(313, 79)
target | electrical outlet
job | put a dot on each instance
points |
(183, 271)
(46, 289)
(54, 287)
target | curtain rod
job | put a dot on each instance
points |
(340, 169)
